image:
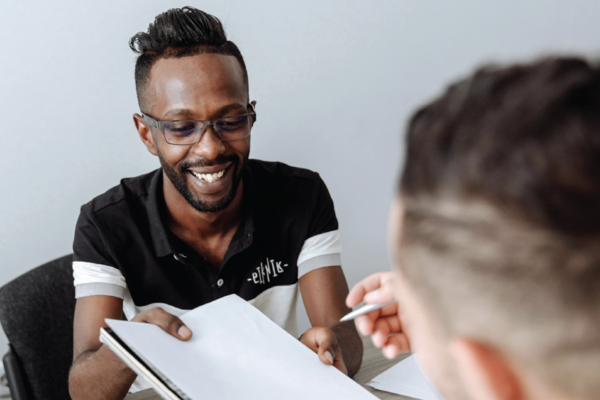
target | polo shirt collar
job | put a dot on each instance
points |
(253, 214)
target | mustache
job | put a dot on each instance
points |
(221, 159)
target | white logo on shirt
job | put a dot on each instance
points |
(264, 272)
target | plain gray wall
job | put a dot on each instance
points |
(335, 82)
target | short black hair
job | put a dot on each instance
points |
(525, 137)
(176, 33)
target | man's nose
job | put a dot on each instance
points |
(210, 145)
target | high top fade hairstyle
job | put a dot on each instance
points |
(176, 33)
(501, 233)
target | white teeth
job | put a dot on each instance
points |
(210, 178)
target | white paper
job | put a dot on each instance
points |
(236, 352)
(406, 378)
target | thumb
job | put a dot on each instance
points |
(327, 352)
(327, 346)
(184, 332)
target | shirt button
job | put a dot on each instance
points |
(220, 282)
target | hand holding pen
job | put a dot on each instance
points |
(382, 323)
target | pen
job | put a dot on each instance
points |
(367, 308)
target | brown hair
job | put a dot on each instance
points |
(501, 234)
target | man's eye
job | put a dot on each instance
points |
(232, 123)
(181, 129)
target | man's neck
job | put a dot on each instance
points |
(183, 218)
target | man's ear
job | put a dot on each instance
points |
(486, 374)
(145, 133)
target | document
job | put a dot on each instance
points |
(406, 378)
(236, 352)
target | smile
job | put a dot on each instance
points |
(210, 178)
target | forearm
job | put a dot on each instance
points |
(351, 345)
(101, 375)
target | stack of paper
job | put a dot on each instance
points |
(406, 378)
(236, 352)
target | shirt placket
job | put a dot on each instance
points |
(222, 285)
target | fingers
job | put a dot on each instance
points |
(395, 345)
(327, 345)
(329, 351)
(338, 362)
(365, 324)
(383, 327)
(323, 341)
(166, 321)
(365, 286)
(384, 294)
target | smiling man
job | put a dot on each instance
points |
(210, 222)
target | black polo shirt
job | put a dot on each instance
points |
(123, 247)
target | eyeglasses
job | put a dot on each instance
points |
(186, 132)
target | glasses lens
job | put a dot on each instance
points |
(182, 132)
(232, 128)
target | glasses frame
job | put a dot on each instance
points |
(160, 125)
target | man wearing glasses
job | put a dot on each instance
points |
(210, 222)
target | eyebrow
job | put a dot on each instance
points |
(220, 112)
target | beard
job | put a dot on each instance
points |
(179, 180)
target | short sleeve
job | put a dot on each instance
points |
(94, 270)
(322, 246)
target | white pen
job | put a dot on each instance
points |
(367, 308)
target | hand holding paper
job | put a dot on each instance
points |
(382, 323)
(235, 352)
(324, 342)
(165, 321)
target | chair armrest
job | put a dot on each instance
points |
(15, 376)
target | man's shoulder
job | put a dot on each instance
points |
(127, 189)
(280, 171)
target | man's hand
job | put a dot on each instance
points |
(323, 341)
(324, 292)
(165, 321)
(97, 373)
(383, 325)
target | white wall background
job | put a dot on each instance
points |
(335, 81)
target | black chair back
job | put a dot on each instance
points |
(36, 312)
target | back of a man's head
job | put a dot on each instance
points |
(501, 231)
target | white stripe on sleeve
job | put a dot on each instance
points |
(328, 260)
(85, 272)
(320, 245)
